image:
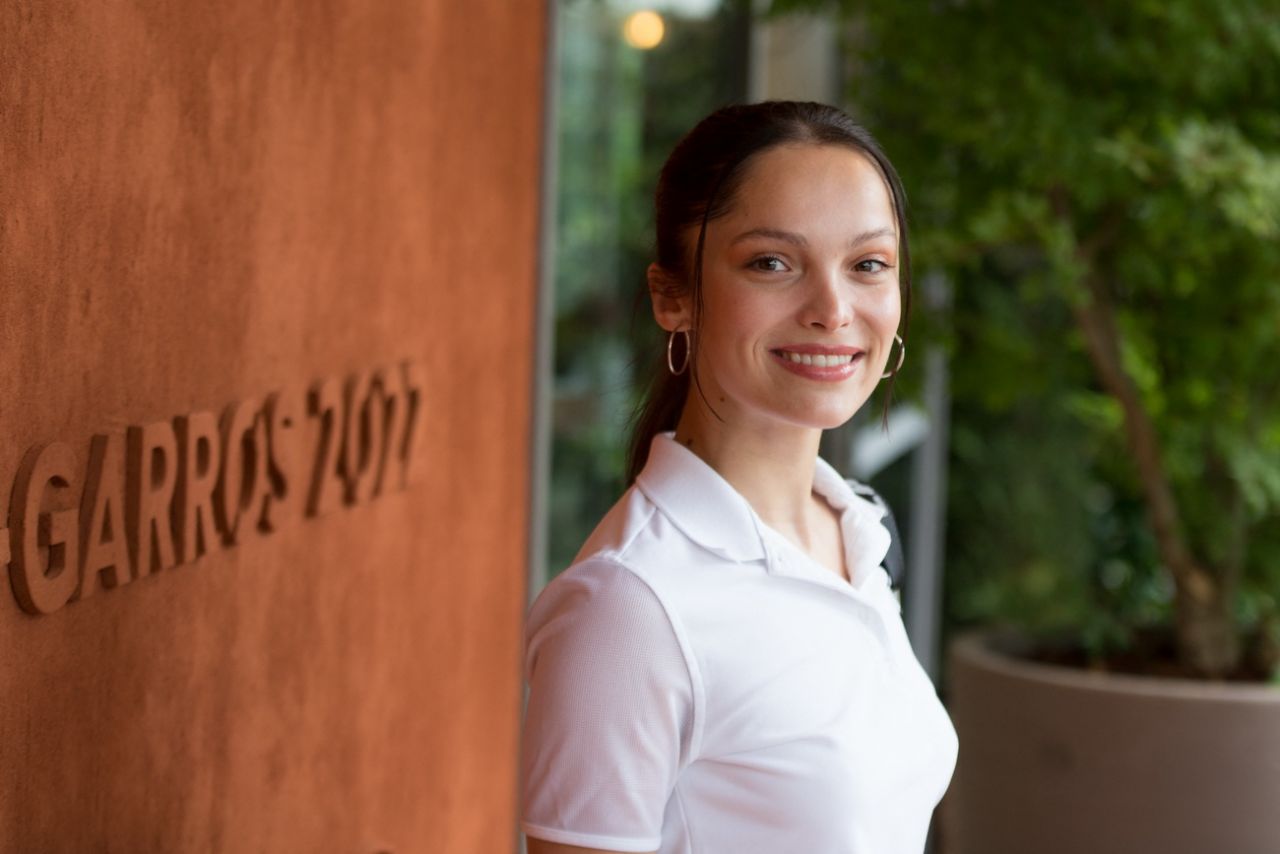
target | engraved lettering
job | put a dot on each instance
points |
(165, 494)
(394, 403)
(324, 405)
(286, 421)
(411, 375)
(104, 550)
(245, 484)
(379, 410)
(199, 464)
(42, 586)
(355, 445)
(257, 480)
(150, 481)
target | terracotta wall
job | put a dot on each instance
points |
(261, 213)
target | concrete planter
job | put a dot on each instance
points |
(1055, 760)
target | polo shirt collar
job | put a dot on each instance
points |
(698, 501)
(709, 511)
(866, 539)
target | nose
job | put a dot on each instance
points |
(828, 305)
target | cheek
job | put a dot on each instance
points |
(885, 312)
(739, 322)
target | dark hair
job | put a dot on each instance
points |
(698, 184)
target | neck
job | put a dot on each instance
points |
(771, 465)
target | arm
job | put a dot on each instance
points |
(610, 713)
(541, 846)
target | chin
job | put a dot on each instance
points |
(824, 417)
(835, 423)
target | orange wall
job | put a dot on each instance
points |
(199, 206)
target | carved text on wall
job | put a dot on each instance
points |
(162, 494)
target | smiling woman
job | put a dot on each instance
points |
(800, 273)
(724, 666)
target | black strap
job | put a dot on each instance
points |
(895, 563)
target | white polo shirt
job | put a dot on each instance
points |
(697, 684)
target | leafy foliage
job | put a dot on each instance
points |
(620, 112)
(1134, 146)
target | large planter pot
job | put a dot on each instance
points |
(1055, 760)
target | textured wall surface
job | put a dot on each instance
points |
(200, 206)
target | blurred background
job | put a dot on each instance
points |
(1084, 453)
(438, 215)
(1040, 503)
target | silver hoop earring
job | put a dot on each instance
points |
(902, 354)
(671, 365)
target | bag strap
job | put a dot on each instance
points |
(895, 563)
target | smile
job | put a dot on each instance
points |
(816, 359)
(824, 364)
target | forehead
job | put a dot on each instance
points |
(813, 188)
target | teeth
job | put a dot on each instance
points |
(819, 360)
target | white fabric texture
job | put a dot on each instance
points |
(699, 685)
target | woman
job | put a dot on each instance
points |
(724, 669)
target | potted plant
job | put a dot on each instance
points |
(1101, 183)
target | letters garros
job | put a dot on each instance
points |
(162, 494)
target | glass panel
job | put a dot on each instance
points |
(621, 108)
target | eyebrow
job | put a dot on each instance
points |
(799, 240)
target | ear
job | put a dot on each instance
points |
(672, 303)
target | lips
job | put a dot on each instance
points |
(818, 359)
(819, 362)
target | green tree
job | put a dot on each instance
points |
(620, 111)
(1112, 171)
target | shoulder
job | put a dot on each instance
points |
(638, 536)
(599, 580)
(600, 601)
(601, 638)
(616, 533)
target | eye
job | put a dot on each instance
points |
(871, 265)
(768, 264)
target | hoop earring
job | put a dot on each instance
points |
(671, 365)
(902, 354)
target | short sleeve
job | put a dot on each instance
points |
(610, 711)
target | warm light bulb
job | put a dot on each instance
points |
(644, 29)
